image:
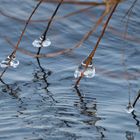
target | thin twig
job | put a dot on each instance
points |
(77, 2)
(130, 9)
(48, 26)
(135, 101)
(20, 38)
(91, 55)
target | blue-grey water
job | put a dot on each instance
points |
(42, 103)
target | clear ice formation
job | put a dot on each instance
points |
(9, 62)
(129, 108)
(38, 43)
(89, 72)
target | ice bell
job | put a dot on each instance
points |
(129, 108)
(41, 42)
(9, 61)
(88, 72)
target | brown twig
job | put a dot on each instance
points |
(46, 20)
(91, 55)
(84, 3)
(20, 38)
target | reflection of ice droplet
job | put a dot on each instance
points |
(129, 108)
(40, 43)
(88, 73)
(129, 135)
(9, 62)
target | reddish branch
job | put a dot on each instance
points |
(91, 55)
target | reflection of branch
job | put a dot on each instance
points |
(101, 131)
(133, 113)
(135, 118)
(129, 135)
(44, 78)
(91, 112)
(9, 88)
(87, 110)
(45, 75)
(13, 92)
(79, 94)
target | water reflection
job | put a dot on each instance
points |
(88, 107)
(129, 135)
(136, 119)
(41, 76)
(13, 90)
(9, 89)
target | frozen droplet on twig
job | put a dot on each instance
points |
(88, 72)
(129, 108)
(9, 61)
(14, 63)
(38, 43)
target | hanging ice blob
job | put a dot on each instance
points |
(129, 108)
(9, 61)
(88, 72)
(41, 42)
(14, 63)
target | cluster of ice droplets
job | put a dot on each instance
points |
(9, 61)
(129, 108)
(40, 42)
(88, 72)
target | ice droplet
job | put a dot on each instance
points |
(129, 108)
(14, 63)
(9, 62)
(88, 73)
(41, 43)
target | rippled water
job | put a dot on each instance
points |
(38, 101)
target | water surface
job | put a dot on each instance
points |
(42, 103)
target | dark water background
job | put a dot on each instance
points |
(43, 105)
